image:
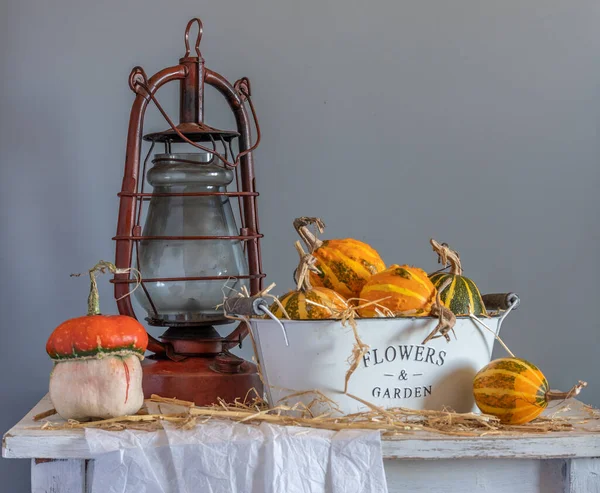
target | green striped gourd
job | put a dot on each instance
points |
(457, 292)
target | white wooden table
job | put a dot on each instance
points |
(551, 463)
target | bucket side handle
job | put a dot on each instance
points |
(253, 306)
(501, 301)
(245, 307)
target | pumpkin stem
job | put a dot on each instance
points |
(94, 297)
(103, 266)
(553, 395)
(301, 225)
(306, 265)
(447, 256)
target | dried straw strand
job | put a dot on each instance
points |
(45, 414)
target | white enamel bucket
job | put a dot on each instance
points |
(397, 371)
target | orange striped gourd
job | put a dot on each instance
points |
(515, 391)
(401, 289)
(343, 265)
(308, 302)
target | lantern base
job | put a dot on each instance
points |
(201, 379)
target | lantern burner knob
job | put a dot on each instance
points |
(227, 363)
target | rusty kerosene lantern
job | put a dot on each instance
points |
(190, 252)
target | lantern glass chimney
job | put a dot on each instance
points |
(172, 302)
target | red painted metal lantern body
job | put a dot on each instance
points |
(189, 248)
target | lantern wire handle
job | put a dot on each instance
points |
(230, 145)
(198, 38)
(242, 87)
(214, 145)
(224, 146)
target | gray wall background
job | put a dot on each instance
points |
(473, 122)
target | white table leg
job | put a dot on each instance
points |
(58, 476)
(584, 476)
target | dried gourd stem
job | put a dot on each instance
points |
(553, 395)
(94, 297)
(301, 225)
(447, 319)
(102, 267)
(447, 256)
(306, 265)
(445, 325)
(359, 349)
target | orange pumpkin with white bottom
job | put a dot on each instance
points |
(97, 371)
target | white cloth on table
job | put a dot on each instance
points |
(226, 457)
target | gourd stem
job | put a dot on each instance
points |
(447, 256)
(301, 225)
(553, 395)
(306, 265)
(94, 297)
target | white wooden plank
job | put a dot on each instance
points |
(27, 440)
(473, 476)
(545, 447)
(584, 476)
(58, 476)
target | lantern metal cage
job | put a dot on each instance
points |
(191, 360)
